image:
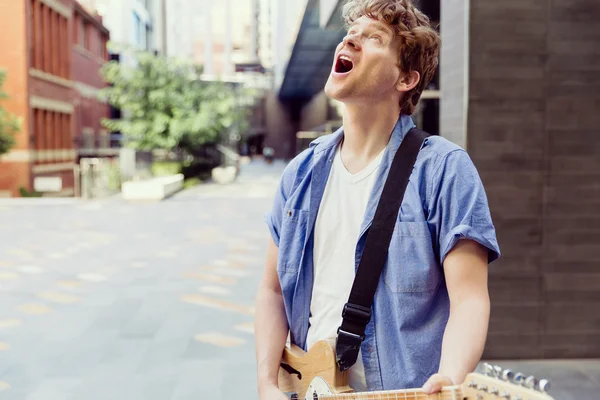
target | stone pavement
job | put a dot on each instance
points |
(111, 300)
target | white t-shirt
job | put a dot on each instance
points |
(337, 228)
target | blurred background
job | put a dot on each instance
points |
(141, 142)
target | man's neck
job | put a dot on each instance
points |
(367, 130)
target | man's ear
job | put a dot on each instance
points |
(407, 81)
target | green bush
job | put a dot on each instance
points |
(9, 123)
(188, 183)
(114, 177)
(200, 169)
(164, 168)
(26, 193)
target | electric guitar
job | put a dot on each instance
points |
(316, 376)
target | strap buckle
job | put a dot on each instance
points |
(355, 313)
(348, 343)
(347, 348)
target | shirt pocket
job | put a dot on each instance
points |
(291, 243)
(411, 265)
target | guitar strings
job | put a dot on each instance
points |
(392, 396)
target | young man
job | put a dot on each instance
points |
(431, 309)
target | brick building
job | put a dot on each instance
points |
(88, 55)
(45, 82)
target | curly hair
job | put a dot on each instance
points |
(420, 43)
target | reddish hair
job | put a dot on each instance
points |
(420, 43)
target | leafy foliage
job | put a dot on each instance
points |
(166, 105)
(9, 124)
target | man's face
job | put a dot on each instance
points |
(365, 66)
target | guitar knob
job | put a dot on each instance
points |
(483, 387)
(489, 370)
(494, 391)
(497, 371)
(505, 395)
(519, 378)
(530, 382)
(507, 375)
(544, 385)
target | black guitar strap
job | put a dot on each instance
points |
(357, 311)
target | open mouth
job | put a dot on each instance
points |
(343, 65)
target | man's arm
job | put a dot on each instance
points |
(466, 271)
(270, 327)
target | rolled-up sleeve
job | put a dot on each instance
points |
(458, 206)
(274, 216)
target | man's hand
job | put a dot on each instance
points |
(271, 392)
(435, 384)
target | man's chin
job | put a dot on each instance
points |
(334, 90)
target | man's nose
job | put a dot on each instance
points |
(352, 41)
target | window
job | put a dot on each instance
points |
(88, 139)
(104, 49)
(87, 39)
(66, 48)
(101, 45)
(39, 134)
(37, 28)
(81, 32)
(45, 66)
(56, 49)
(76, 19)
(137, 27)
(149, 43)
(52, 134)
(50, 46)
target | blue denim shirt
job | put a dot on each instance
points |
(444, 202)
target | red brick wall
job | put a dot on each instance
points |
(14, 175)
(50, 90)
(88, 56)
(13, 59)
(35, 37)
(51, 54)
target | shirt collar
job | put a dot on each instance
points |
(403, 125)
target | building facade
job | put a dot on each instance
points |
(226, 35)
(36, 52)
(52, 51)
(519, 92)
(130, 22)
(89, 54)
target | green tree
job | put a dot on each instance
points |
(166, 105)
(9, 124)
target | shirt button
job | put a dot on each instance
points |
(289, 213)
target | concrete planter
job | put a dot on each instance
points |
(154, 189)
(224, 175)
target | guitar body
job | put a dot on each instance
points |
(299, 370)
(314, 375)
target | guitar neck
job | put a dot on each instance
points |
(452, 393)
